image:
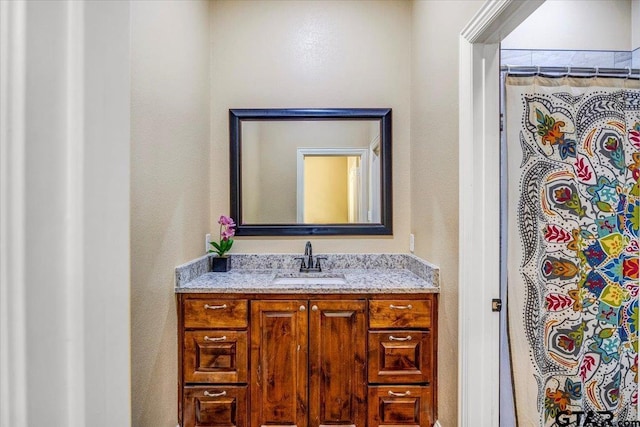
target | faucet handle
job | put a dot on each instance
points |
(318, 262)
(303, 265)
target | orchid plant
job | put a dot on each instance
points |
(227, 231)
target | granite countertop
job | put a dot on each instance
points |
(258, 273)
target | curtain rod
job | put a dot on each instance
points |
(573, 71)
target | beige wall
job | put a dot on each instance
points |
(575, 25)
(169, 187)
(635, 24)
(251, 156)
(434, 170)
(279, 54)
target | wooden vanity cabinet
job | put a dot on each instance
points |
(306, 360)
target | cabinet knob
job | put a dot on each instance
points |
(314, 308)
(303, 308)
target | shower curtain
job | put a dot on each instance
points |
(573, 212)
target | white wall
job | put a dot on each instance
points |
(169, 187)
(575, 25)
(434, 170)
(279, 54)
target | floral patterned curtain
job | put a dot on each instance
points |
(573, 208)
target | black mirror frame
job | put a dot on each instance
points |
(236, 116)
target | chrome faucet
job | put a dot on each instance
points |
(307, 265)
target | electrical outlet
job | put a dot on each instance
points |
(412, 242)
(207, 241)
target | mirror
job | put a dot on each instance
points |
(311, 171)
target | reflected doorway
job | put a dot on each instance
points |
(332, 185)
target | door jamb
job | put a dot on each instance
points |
(479, 204)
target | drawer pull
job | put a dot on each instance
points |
(391, 393)
(215, 307)
(215, 339)
(407, 338)
(222, 393)
(400, 307)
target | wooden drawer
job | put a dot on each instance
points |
(400, 356)
(399, 314)
(215, 313)
(216, 406)
(400, 406)
(217, 356)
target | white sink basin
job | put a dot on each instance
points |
(309, 280)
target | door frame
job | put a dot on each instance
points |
(373, 205)
(479, 208)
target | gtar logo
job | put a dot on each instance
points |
(585, 419)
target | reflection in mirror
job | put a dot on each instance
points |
(308, 171)
(311, 171)
(333, 187)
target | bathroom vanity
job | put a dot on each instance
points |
(272, 346)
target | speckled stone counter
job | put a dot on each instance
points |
(361, 273)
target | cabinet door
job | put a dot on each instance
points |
(279, 363)
(337, 353)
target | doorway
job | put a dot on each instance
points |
(479, 270)
(332, 185)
